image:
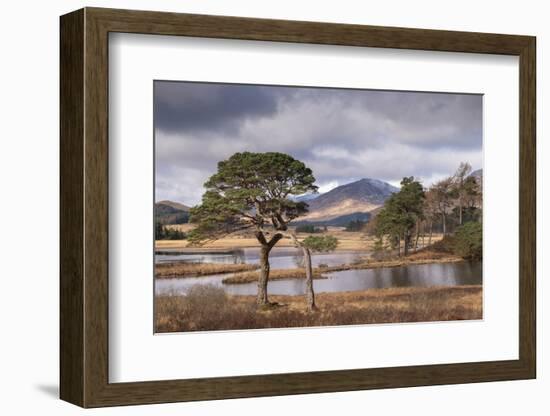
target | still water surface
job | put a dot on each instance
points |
(445, 274)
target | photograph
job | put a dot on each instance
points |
(280, 206)
(337, 206)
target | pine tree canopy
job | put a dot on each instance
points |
(252, 190)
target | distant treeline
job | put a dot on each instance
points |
(452, 206)
(167, 233)
(310, 228)
(356, 225)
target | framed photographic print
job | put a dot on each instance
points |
(255, 207)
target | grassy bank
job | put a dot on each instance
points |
(170, 270)
(209, 308)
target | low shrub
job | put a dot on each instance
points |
(445, 245)
(468, 241)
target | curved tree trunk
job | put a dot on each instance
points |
(262, 300)
(310, 295)
(266, 247)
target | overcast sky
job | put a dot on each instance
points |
(342, 135)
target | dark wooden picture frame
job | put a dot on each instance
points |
(84, 207)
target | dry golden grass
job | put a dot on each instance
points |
(209, 308)
(435, 300)
(169, 270)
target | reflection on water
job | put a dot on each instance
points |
(298, 259)
(446, 274)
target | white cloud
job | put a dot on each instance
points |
(328, 186)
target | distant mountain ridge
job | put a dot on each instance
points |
(359, 197)
(175, 205)
(477, 173)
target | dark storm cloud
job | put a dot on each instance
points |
(197, 106)
(341, 134)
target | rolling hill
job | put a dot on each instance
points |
(175, 205)
(340, 221)
(170, 212)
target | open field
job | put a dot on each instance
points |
(169, 270)
(346, 240)
(209, 308)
